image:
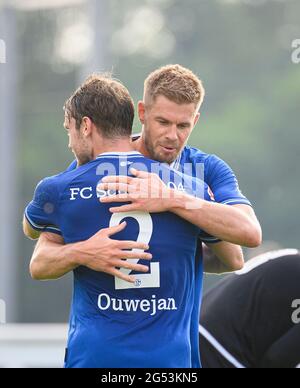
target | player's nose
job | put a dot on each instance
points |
(172, 134)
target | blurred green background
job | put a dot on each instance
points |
(240, 49)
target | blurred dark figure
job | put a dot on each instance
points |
(252, 318)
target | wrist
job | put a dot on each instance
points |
(75, 254)
(180, 201)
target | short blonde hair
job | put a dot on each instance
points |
(176, 83)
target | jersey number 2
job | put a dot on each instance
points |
(151, 280)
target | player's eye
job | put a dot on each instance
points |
(183, 126)
(163, 122)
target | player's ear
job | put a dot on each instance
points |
(86, 126)
(197, 118)
(141, 111)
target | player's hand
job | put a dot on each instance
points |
(102, 254)
(146, 192)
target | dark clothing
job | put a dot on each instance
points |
(251, 317)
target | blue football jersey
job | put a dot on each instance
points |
(114, 323)
(216, 174)
(225, 189)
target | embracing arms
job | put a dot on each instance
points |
(52, 259)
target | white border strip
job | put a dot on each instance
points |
(40, 228)
(118, 154)
(220, 348)
(265, 258)
(237, 201)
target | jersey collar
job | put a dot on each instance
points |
(118, 154)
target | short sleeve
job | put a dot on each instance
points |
(223, 183)
(42, 211)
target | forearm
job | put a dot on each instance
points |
(52, 260)
(222, 258)
(227, 223)
(213, 266)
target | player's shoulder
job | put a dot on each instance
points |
(279, 260)
(55, 182)
(192, 154)
(52, 185)
(87, 172)
(47, 190)
(211, 162)
(48, 183)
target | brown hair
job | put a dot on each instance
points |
(176, 83)
(106, 102)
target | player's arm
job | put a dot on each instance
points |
(52, 259)
(226, 191)
(234, 224)
(285, 352)
(222, 258)
(28, 230)
(230, 217)
(41, 220)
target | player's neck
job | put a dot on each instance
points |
(116, 145)
(140, 146)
